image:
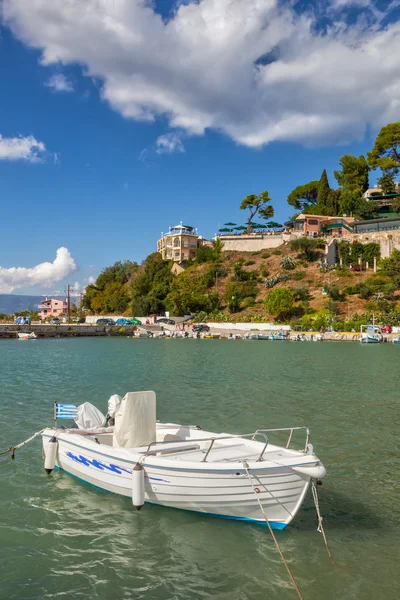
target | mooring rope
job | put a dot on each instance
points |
(320, 519)
(294, 582)
(12, 449)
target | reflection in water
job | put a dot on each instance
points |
(63, 538)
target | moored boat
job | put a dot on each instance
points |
(182, 466)
(27, 336)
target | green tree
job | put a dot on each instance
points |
(323, 192)
(386, 151)
(354, 205)
(387, 181)
(279, 302)
(257, 206)
(353, 175)
(111, 292)
(151, 285)
(307, 247)
(189, 293)
(304, 196)
(233, 297)
(391, 267)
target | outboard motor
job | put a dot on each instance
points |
(113, 406)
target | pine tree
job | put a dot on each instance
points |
(323, 192)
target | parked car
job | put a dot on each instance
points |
(105, 321)
(386, 329)
(135, 322)
(200, 328)
(55, 321)
(165, 321)
(123, 321)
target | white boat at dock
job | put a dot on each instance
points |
(182, 466)
(27, 336)
(371, 334)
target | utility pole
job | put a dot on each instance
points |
(69, 288)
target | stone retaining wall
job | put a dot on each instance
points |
(254, 242)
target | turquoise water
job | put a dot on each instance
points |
(60, 538)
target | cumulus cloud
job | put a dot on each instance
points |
(21, 148)
(59, 83)
(43, 274)
(255, 70)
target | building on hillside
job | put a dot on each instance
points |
(52, 307)
(377, 225)
(382, 201)
(180, 244)
(316, 225)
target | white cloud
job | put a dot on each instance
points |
(43, 274)
(254, 70)
(59, 83)
(21, 148)
(169, 143)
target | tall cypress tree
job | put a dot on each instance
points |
(323, 190)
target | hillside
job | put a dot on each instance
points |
(306, 282)
(240, 286)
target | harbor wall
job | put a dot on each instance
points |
(64, 330)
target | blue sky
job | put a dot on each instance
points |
(132, 145)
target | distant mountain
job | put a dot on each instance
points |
(12, 303)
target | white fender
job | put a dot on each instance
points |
(317, 471)
(51, 453)
(138, 486)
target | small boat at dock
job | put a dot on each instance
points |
(182, 466)
(27, 336)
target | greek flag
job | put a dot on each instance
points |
(65, 411)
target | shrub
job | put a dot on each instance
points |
(333, 291)
(301, 294)
(201, 317)
(264, 271)
(241, 274)
(277, 253)
(204, 254)
(256, 253)
(232, 297)
(288, 264)
(270, 283)
(351, 253)
(265, 255)
(308, 248)
(248, 302)
(248, 263)
(279, 302)
(298, 275)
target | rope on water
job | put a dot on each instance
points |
(294, 582)
(12, 449)
(320, 519)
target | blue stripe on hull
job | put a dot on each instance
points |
(277, 525)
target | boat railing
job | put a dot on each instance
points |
(291, 430)
(213, 439)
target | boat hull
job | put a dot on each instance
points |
(219, 490)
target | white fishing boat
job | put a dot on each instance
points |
(27, 336)
(371, 334)
(182, 466)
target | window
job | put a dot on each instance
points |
(312, 221)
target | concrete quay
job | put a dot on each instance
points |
(65, 330)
